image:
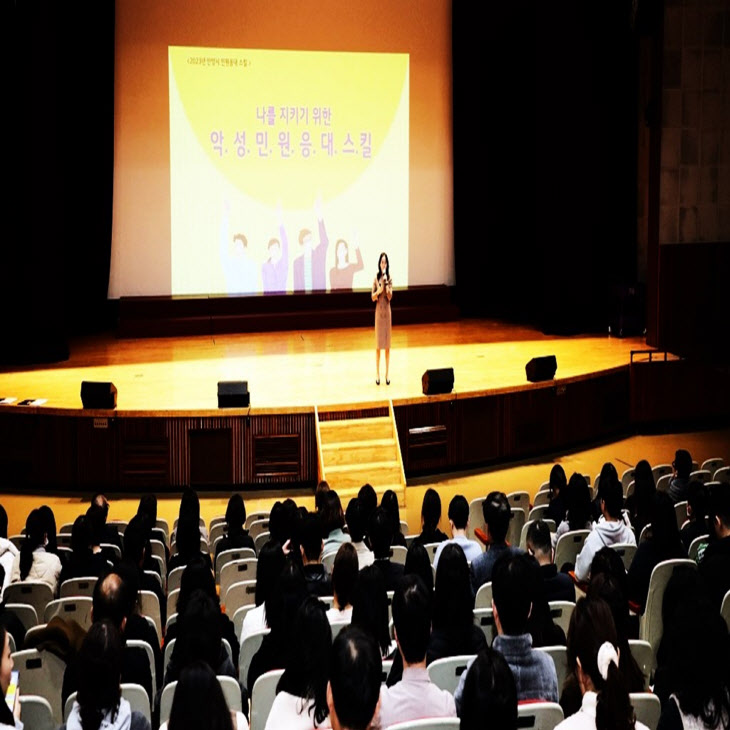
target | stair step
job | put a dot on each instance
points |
(355, 475)
(356, 429)
(358, 452)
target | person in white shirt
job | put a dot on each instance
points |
(415, 697)
(344, 579)
(459, 522)
(33, 562)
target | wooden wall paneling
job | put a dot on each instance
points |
(481, 430)
(97, 451)
(144, 453)
(429, 435)
(55, 462)
(529, 421)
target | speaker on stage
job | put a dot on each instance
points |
(541, 368)
(233, 394)
(98, 395)
(438, 381)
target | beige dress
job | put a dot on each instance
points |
(382, 315)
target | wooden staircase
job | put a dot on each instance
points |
(361, 446)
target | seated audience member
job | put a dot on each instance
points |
(430, 517)
(199, 703)
(558, 586)
(715, 564)
(370, 608)
(9, 620)
(281, 521)
(611, 530)
(99, 702)
(96, 520)
(114, 599)
(109, 533)
(83, 563)
(607, 479)
(663, 543)
(578, 513)
(236, 535)
(459, 523)
(320, 493)
(271, 562)
(534, 671)
(541, 627)
(190, 510)
(8, 551)
(48, 520)
(148, 507)
(414, 697)
(679, 483)
(558, 505)
(639, 503)
(9, 716)
(33, 562)
(369, 501)
(389, 503)
(301, 694)
(282, 604)
(418, 563)
(353, 691)
(697, 509)
(593, 656)
(453, 631)
(489, 697)
(355, 516)
(381, 532)
(333, 522)
(344, 580)
(187, 540)
(497, 515)
(310, 547)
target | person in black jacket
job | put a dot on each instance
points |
(558, 586)
(715, 565)
(236, 536)
(310, 546)
(389, 502)
(83, 562)
(381, 534)
(430, 517)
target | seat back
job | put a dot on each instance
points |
(537, 512)
(559, 656)
(398, 554)
(519, 500)
(476, 517)
(237, 571)
(262, 698)
(431, 548)
(626, 478)
(713, 464)
(36, 713)
(255, 517)
(25, 613)
(172, 599)
(560, 612)
(169, 647)
(435, 723)
(138, 700)
(231, 691)
(539, 715)
(627, 551)
(701, 475)
(697, 547)
(542, 498)
(722, 475)
(258, 527)
(662, 484)
(149, 605)
(260, 540)
(217, 530)
(34, 593)
(174, 578)
(41, 673)
(483, 597)
(680, 510)
(166, 698)
(249, 646)
(484, 619)
(143, 646)
(514, 531)
(446, 673)
(162, 524)
(569, 546)
(662, 470)
(238, 618)
(229, 555)
(158, 548)
(76, 609)
(725, 609)
(240, 594)
(644, 657)
(647, 707)
(78, 587)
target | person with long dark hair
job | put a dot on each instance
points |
(271, 562)
(199, 703)
(430, 518)
(370, 608)
(638, 504)
(9, 718)
(578, 511)
(593, 656)
(99, 702)
(83, 561)
(190, 510)
(381, 294)
(301, 694)
(558, 503)
(418, 563)
(34, 562)
(698, 525)
(389, 502)
(236, 535)
(188, 545)
(333, 522)
(344, 580)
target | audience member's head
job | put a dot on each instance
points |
(307, 668)
(558, 480)
(353, 692)
(100, 500)
(80, 537)
(369, 500)
(380, 533)
(664, 530)
(698, 498)
(49, 526)
(96, 518)
(593, 656)
(370, 606)
(136, 537)
(187, 537)
(489, 699)
(431, 510)
(512, 593)
(356, 516)
(453, 600)
(319, 495)
(578, 502)
(612, 498)
(270, 563)
(719, 509)
(35, 537)
(114, 599)
(539, 542)
(235, 514)
(389, 503)
(199, 701)
(333, 518)
(189, 505)
(458, 512)
(148, 507)
(608, 561)
(412, 619)
(310, 538)
(418, 563)
(196, 576)
(344, 575)
(608, 476)
(682, 463)
(497, 514)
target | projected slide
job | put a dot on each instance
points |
(288, 169)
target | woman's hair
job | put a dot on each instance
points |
(592, 631)
(187, 537)
(558, 480)
(698, 500)
(331, 513)
(268, 569)
(48, 520)
(319, 494)
(389, 503)
(369, 500)
(199, 701)
(644, 490)
(80, 536)
(578, 502)
(370, 606)
(489, 699)
(199, 631)
(235, 514)
(285, 598)
(344, 574)
(664, 530)
(197, 576)
(281, 520)
(189, 505)
(35, 536)
(387, 266)
(418, 563)
(608, 561)
(453, 601)
(431, 509)
(6, 716)
(307, 670)
(100, 671)
(148, 507)
(607, 476)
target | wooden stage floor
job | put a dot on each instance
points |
(309, 368)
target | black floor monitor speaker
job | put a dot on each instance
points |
(438, 381)
(98, 395)
(541, 368)
(233, 394)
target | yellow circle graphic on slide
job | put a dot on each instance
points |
(330, 107)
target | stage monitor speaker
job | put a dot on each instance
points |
(438, 381)
(541, 368)
(233, 394)
(98, 395)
